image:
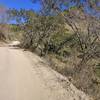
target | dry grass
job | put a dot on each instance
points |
(87, 80)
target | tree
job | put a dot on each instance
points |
(48, 6)
(39, 32)
(4, 19)
(72, 17)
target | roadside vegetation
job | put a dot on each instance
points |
(68, 39)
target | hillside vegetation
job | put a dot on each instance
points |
(69, 40)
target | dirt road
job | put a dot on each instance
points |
(24, 76)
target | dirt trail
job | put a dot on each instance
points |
(25, 76)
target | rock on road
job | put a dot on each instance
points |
(26, 77)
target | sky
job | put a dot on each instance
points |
(27, 4)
